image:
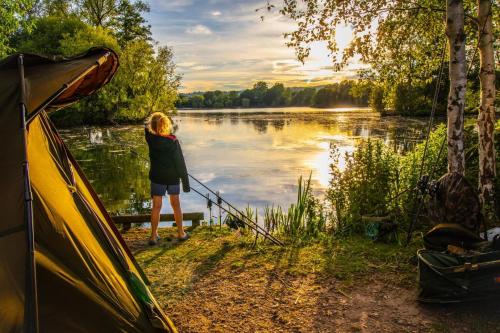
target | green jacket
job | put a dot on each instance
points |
(167, 165)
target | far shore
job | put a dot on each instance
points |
(357, 107)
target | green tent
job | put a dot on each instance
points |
(63, 265)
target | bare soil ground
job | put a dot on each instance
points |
(216, 282)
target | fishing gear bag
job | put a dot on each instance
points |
(446, 234)
(456, 264)
(446, 277)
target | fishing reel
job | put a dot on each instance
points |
(234, 222)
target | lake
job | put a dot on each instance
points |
(252, 156)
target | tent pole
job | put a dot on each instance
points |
(31, 297)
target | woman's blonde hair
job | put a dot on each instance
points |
(159, 124)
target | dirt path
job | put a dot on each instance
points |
(258, 301)
(261, 298)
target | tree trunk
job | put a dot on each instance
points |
(486, 118)
(458, 83)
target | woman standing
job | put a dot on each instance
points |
(167, 169)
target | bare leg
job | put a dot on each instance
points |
(176, 206)
(155, 216)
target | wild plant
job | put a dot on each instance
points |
(363, 187)
(303, 221)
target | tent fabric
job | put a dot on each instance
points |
(87, 279)
(13, 245)
(83, 74)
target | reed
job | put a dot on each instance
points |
(303, 221)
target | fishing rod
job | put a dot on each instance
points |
(222, 200)
(249, 222)
(251, 225)
(420, 196)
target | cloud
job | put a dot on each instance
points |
(223, 44)
(171, 5)
(186, 64)
(199, 29)
(289, 66)
(201, 68)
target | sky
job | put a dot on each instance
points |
(224, 44)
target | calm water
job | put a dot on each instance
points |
(253, 156)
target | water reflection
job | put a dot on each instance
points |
(95, 136)
(252, 158)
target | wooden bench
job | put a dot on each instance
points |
(127, 220)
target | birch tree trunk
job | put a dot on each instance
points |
(486, 118)
(458, 83)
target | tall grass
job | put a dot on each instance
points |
(303, 221)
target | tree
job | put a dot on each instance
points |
(146, 82)
(303, 97)
(47, 34)
(234, 97)
(259, 92)
(99, 13)
(197, 101)
(129, 23)
(60, 8)
(376, 100)
(486, 117)
(14, 16)
(323, 98)
(403, 32)
(398, 39)
(209, 98)
(163, 81)
(274, 95)
(455, 19)
(82, 40)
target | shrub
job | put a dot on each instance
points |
(369, 178)
(378, 181)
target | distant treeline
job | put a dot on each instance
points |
(345, 93)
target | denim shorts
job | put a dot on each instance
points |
(161, 190)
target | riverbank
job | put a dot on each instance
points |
(217, 282)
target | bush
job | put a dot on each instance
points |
(378, 181)
(369, 178)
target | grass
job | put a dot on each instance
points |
(174, 268)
